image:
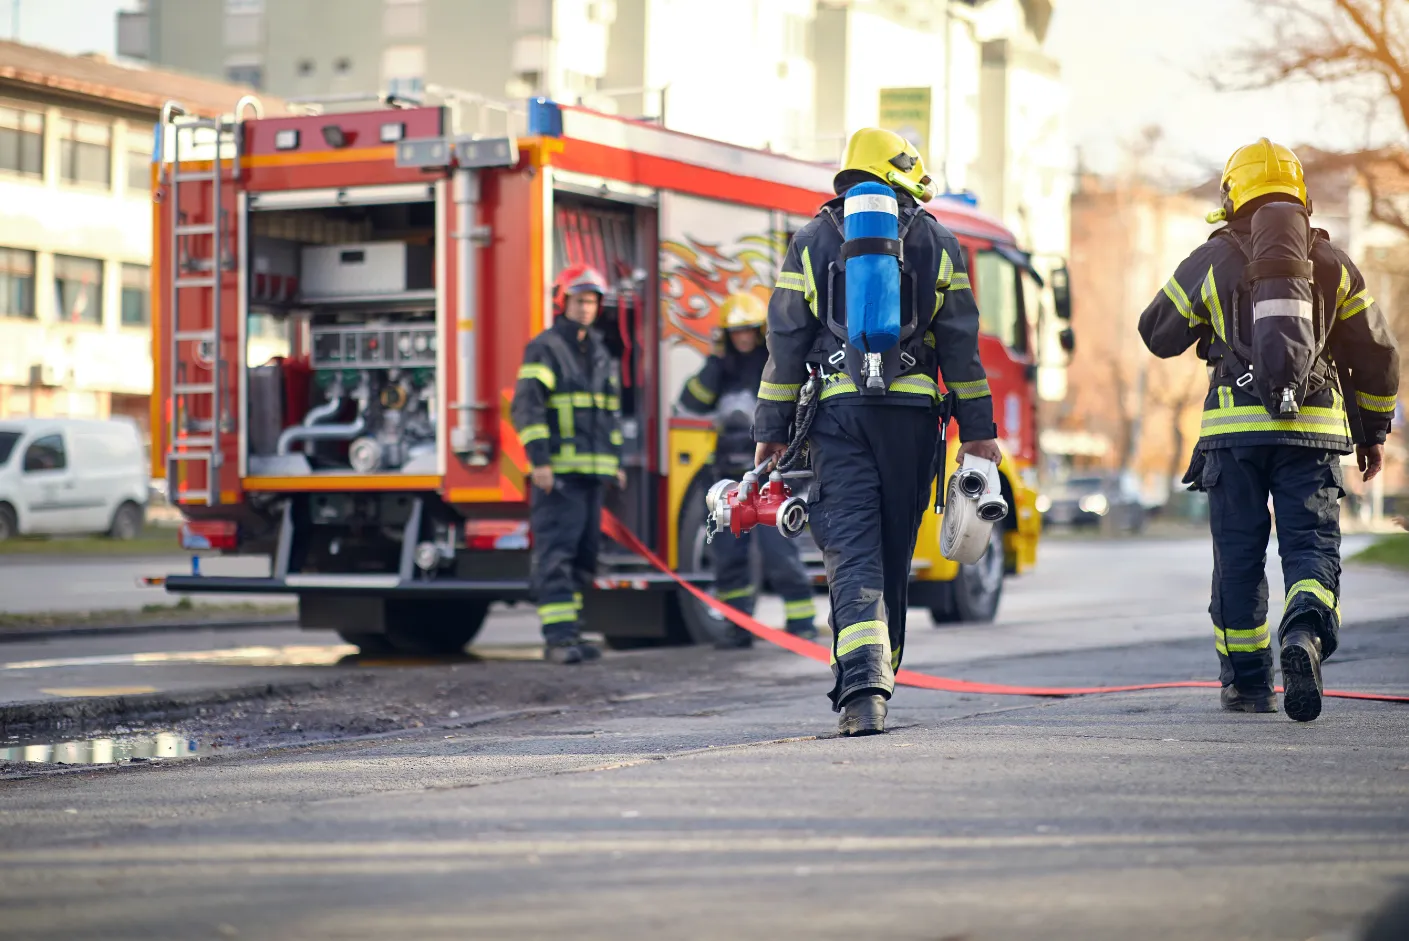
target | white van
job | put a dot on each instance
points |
(67, 475)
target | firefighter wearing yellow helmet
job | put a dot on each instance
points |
(727, 389)
(873, 447)
(1303, 370)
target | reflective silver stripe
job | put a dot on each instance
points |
(1281, 307)
(871, 202)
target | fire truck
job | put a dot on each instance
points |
(341, 302)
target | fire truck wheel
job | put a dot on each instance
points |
(434, 627)
(127, 522)
(693, 555)
(9, 525)
(973, 595)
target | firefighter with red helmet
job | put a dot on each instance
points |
(567, 411)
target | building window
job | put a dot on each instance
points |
(250, 75)
(78, 290)
(403, 18)
(22, 142)
(403, 71)
(136, 295)
(85, 152)
(139, 158)
(244, 23)
(16, 283)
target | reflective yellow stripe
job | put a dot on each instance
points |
(615, 437)
(1314, 588)
(1243, 418)
(1242, 641)
(568, 462)
(929, 337)
(1176, 294)
(959, 282)
(970, 390)
(1343, 289)
(577, 600)
(946, 270)
(863, 634)
(701, 393)
(841, 384)
(734, 593)
(606, 401)
(778, 392)
(541, 372)
(809, 289)
(557, 613)
(1354, 305)
(531, 433)
(792, 281)
(1225, 397)
(836, 384)
(797, 610)
(1375, 403)
(1209, 292)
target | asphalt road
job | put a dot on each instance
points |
(701, 795)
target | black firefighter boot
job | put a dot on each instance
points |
(1301, 671)
(571, 650)
(1249, 697)
(863, 714)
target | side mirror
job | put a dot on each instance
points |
(1068, 340)
(1061, 292)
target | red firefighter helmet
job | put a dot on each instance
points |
(576, 279)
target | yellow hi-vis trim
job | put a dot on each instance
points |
(1318, 591)
(809, 281)
(1247, 418)
(960, 281)
(557, 613)
(1354, 305)
(541, 372)
(616, 437)
(1209, 293)
(568, 462)
(577, 600)
(970, 390)
(864, 634)
(840, 384)
(735, 593)
(700, 391)
(946, 271)
(531, 433)
(798, 610)
(1342, 289)
(791, 281)
(1242, 641)
(1176, 294)
(1374, 403)
(1225, 397)
(779, 392)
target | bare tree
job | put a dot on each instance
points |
(1360, 47)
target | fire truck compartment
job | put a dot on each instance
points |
(353, 290)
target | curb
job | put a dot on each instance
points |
(151, 627)
(63, 714)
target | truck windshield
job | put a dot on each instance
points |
(8, 440)
(999, 301)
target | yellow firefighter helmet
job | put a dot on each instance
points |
(743, 311)
(890, 157)
(1257, 170)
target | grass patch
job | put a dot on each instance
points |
(1387, 550)
(152, 541)
(183, 610)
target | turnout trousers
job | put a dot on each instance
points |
(874, 465)
(1305, 485)
(782, 569)
(567, 533)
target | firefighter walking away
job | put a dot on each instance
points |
(567, 411)
(1303, 370)
(874, 435)
(727, 387)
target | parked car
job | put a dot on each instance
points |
(1090, 501)
(64, 475)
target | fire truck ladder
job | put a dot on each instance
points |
(196, 287)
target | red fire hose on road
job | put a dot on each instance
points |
(614, 528)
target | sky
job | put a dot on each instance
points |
(1128, 64)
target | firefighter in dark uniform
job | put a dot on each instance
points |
(1245, 455)
(874, 456)
(567, 410)
(727, 386)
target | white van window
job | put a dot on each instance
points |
(45, 454)
(8, 440)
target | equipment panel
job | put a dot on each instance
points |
(373, 346)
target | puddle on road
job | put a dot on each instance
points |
(105, 751)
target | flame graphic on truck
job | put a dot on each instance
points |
(697, 277)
